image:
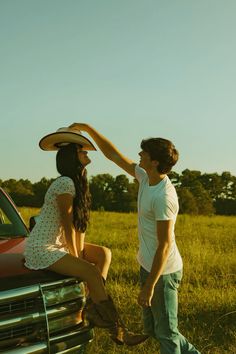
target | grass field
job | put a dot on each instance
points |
(207, 296)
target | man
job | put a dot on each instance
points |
(158, 255)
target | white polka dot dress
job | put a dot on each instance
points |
(46, 243)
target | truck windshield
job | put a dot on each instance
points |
(11, 225)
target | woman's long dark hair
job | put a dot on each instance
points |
(68, 164)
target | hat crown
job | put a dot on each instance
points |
(68, 130)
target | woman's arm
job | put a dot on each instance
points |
(107, 148)
(65, 205)
(80, 236)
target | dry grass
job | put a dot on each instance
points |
(207, 297)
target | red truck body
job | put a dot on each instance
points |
(40, 311)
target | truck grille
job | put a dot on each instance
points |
(21, 314)
(18, 306)
(17, 333)
(39, 313)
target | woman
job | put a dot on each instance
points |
(57, 242)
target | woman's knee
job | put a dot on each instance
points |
(106, 254)
(103, 255)
(97, 254)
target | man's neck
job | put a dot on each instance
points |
(155, 178)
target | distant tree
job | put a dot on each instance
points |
(212, 182)
(121, 196)
(20, 191)
(233, 188)
(187, 202)
(40, 188)
(175, 178)
(228, 183)
(133, 195)
(101, 189)
(225, 206)
(203, 199)
(198, 193)
(188, 178)
(9, 185)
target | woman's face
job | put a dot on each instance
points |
(83, 156)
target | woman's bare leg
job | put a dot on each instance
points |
(98, 255)
(77, 267)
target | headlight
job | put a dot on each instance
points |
(59, 324)
(64, 294)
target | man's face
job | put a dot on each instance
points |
(146, 163)
(145, 160)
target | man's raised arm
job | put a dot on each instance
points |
(107, 148)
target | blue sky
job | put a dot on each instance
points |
(131, 68)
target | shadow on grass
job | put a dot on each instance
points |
(215, 330)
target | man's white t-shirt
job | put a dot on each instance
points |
(159, 202)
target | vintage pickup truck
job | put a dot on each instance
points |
(40, 311)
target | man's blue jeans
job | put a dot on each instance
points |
(161, 318)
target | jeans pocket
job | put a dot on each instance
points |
(175, 279)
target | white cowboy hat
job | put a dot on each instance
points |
(65, 136)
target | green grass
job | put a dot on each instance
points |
(207, 296)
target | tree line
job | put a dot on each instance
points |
(199, 194)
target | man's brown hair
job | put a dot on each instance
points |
(161, 150)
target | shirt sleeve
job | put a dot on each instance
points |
(165, 208)
(140, 173)
(64, 185)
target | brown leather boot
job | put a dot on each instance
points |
(118, 332)
(91, 314)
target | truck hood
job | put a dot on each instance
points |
(14, 245)
(13, 273)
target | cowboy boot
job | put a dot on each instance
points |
(118, 332)
(91, 315)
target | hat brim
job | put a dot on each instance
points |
(51, 142)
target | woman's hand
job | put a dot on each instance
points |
(145, 296)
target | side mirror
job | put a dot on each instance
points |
(32, 222)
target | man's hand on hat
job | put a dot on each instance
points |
(78, 126)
